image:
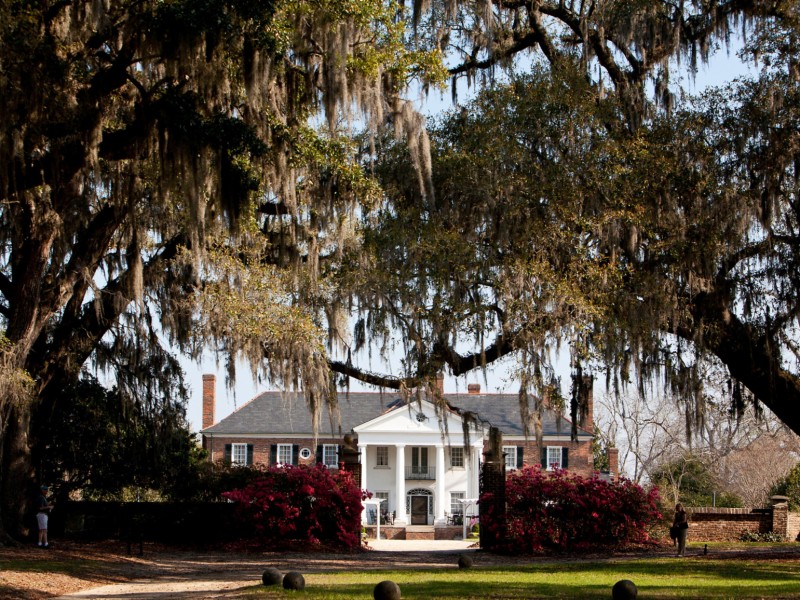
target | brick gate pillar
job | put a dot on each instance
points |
(492, 493)
(780, 515)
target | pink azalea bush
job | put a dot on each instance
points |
(564, 511)
(302, 505)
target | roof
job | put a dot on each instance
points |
(273, 413)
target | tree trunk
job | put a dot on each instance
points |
(16, 473)
(751, 357)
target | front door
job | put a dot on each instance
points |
(419, 510)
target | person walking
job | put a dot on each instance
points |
(43, 508)
(680, 525)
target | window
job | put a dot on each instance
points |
(239, 454)
(330, 456)
(456, 457)
(382, 459)
(305, 453)
(511, 457)
(456, 508)
(284, 454)
(556, 457)
(385, 497)
(419, 461)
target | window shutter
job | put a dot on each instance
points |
(520, 455)
(338, 459)
(295, 454)
(320, 456)
(544, 458)
(249, 454)
(228, 453)
(564, 458)
(273, 454)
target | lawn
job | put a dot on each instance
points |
(655, 578)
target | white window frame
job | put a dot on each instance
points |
(239, 454)
(510, 453)
(305, 453)
(456, 507)
(456, 457)
(282, 449)
(552, 459)
(330, 456)
(381, 456)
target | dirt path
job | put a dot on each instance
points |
(216, 575)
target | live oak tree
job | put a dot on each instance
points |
(572, 210)
(139, 143)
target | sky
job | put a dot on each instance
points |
(723, 67)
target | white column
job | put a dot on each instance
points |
(439, 516)
(477, 453)
(363, 450)
(400, 484)
(469, 469)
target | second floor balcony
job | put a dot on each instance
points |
(420, 472)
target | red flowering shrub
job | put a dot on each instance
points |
(561, 510)
(311, 505)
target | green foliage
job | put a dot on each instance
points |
(689, 481)
(767, 536)
(108, 446)
(600, 453)
(789, 486)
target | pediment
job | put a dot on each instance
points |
(414, 418)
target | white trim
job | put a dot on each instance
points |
(238, 446)
(278, 453)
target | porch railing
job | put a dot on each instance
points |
(416, 472)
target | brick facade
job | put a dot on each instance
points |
(580, 456)
(262, 446)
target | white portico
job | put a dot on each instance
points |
(418, 463)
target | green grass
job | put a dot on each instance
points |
(655, 578)
(75, 567)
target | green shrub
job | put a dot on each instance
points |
(767, 536)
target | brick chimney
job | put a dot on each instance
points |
(439, 383)
(613, 461)
(209, 399)
(474, 389)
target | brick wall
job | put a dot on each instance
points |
(727, 524)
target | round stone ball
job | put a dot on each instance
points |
(386, 590)
(271, 576)
(624, 589)
(294, 581)
(464, 561)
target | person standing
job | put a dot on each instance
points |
(681, 526)
(43, 508)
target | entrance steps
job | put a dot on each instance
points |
(415, 532)
(420, 532)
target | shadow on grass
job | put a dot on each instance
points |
(656, 579)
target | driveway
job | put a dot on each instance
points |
(214, 575)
